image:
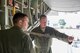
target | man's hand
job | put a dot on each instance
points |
(70, 39)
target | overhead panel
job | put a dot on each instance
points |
(64, 5)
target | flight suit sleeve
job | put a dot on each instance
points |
(60, 36)
(28, 46)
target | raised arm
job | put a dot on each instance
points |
(62, 36)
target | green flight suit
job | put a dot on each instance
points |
(14, 40)
(43, 44)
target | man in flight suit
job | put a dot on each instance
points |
(43, 43)
(14, 40)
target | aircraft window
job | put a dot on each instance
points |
(68, 23)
